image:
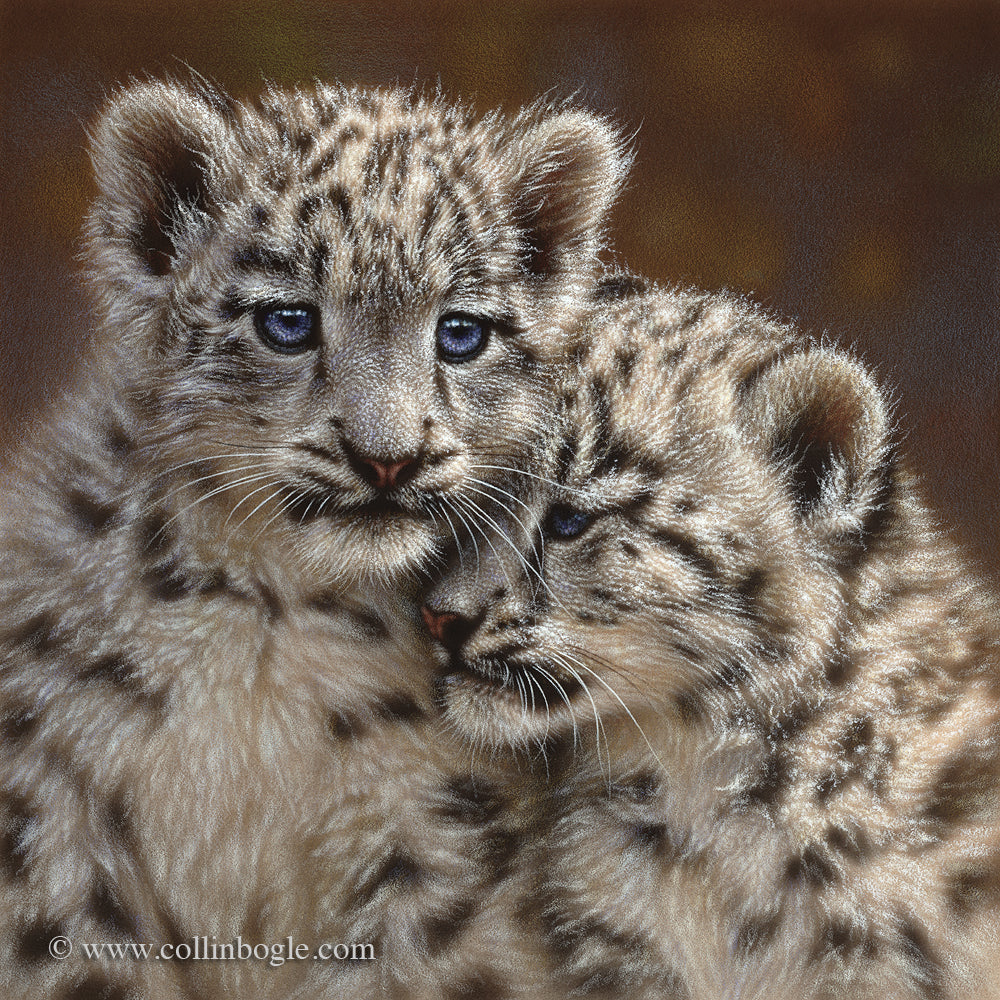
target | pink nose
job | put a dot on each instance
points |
(387, 475)
(437, 622)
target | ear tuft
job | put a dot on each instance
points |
(155, 153)
(570, 167)
(825, 422)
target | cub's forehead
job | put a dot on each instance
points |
(671, 362)
(655, 387)
(412, 182)
(611, 444)
(331, 133)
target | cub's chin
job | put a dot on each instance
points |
(511, 705)
(353, 548)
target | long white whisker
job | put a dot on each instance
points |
(472, 537)
(506, 493)
(560, 657)
(263, 503)
(235, 484)
(614, 694)
(252, 493)
(454, 534)
(283, 506)
(214, 475)
(535, 476)
(256, 453)
(557, 684)
(472, 510)
(528, 569)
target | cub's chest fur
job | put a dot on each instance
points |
(775, 684)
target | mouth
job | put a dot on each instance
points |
(381, 507)
(531, 685)
(304, 508)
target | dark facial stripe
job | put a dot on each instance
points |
(369, 627)
(773, 780)
(117, 672)
(569, 448)
(325, 163)
(600, 401)
(974, 886)
(259, 216)
(813, 867)
(155, 540)
(19, 724)
(693, 314)
(33, 941)
(842, 937)
(625, 362)
(853, 844)
(673, 357)
(254, 257)
(398, 708)
(688, 549)
(319, 261)
(39, 633)
(750, 379)
(393, 709)
(118, 823)
(168, 582)
(619, 287)
(964, 786)
(308, 208)
(926, 969)
(96, 987)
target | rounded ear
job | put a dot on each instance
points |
(825, 423)
(569, 167)
(157, 153)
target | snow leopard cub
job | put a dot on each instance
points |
(213, 693)
(767, 685)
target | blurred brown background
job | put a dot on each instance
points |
(840, 161)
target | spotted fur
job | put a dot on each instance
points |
(767, 685)
(373, 216)
(214, 697)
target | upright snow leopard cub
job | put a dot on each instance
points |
(213, 696)
(329, 294)
(768, 687)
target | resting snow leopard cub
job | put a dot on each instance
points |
(768, 687)
(213, 695)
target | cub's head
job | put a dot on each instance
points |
(336, 309)
(686, 542)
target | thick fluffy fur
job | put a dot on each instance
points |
(377, 214)
(214, 699)
(768, 686)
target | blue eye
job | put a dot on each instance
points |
(460, 337)
(565, 522)
(287, 329)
